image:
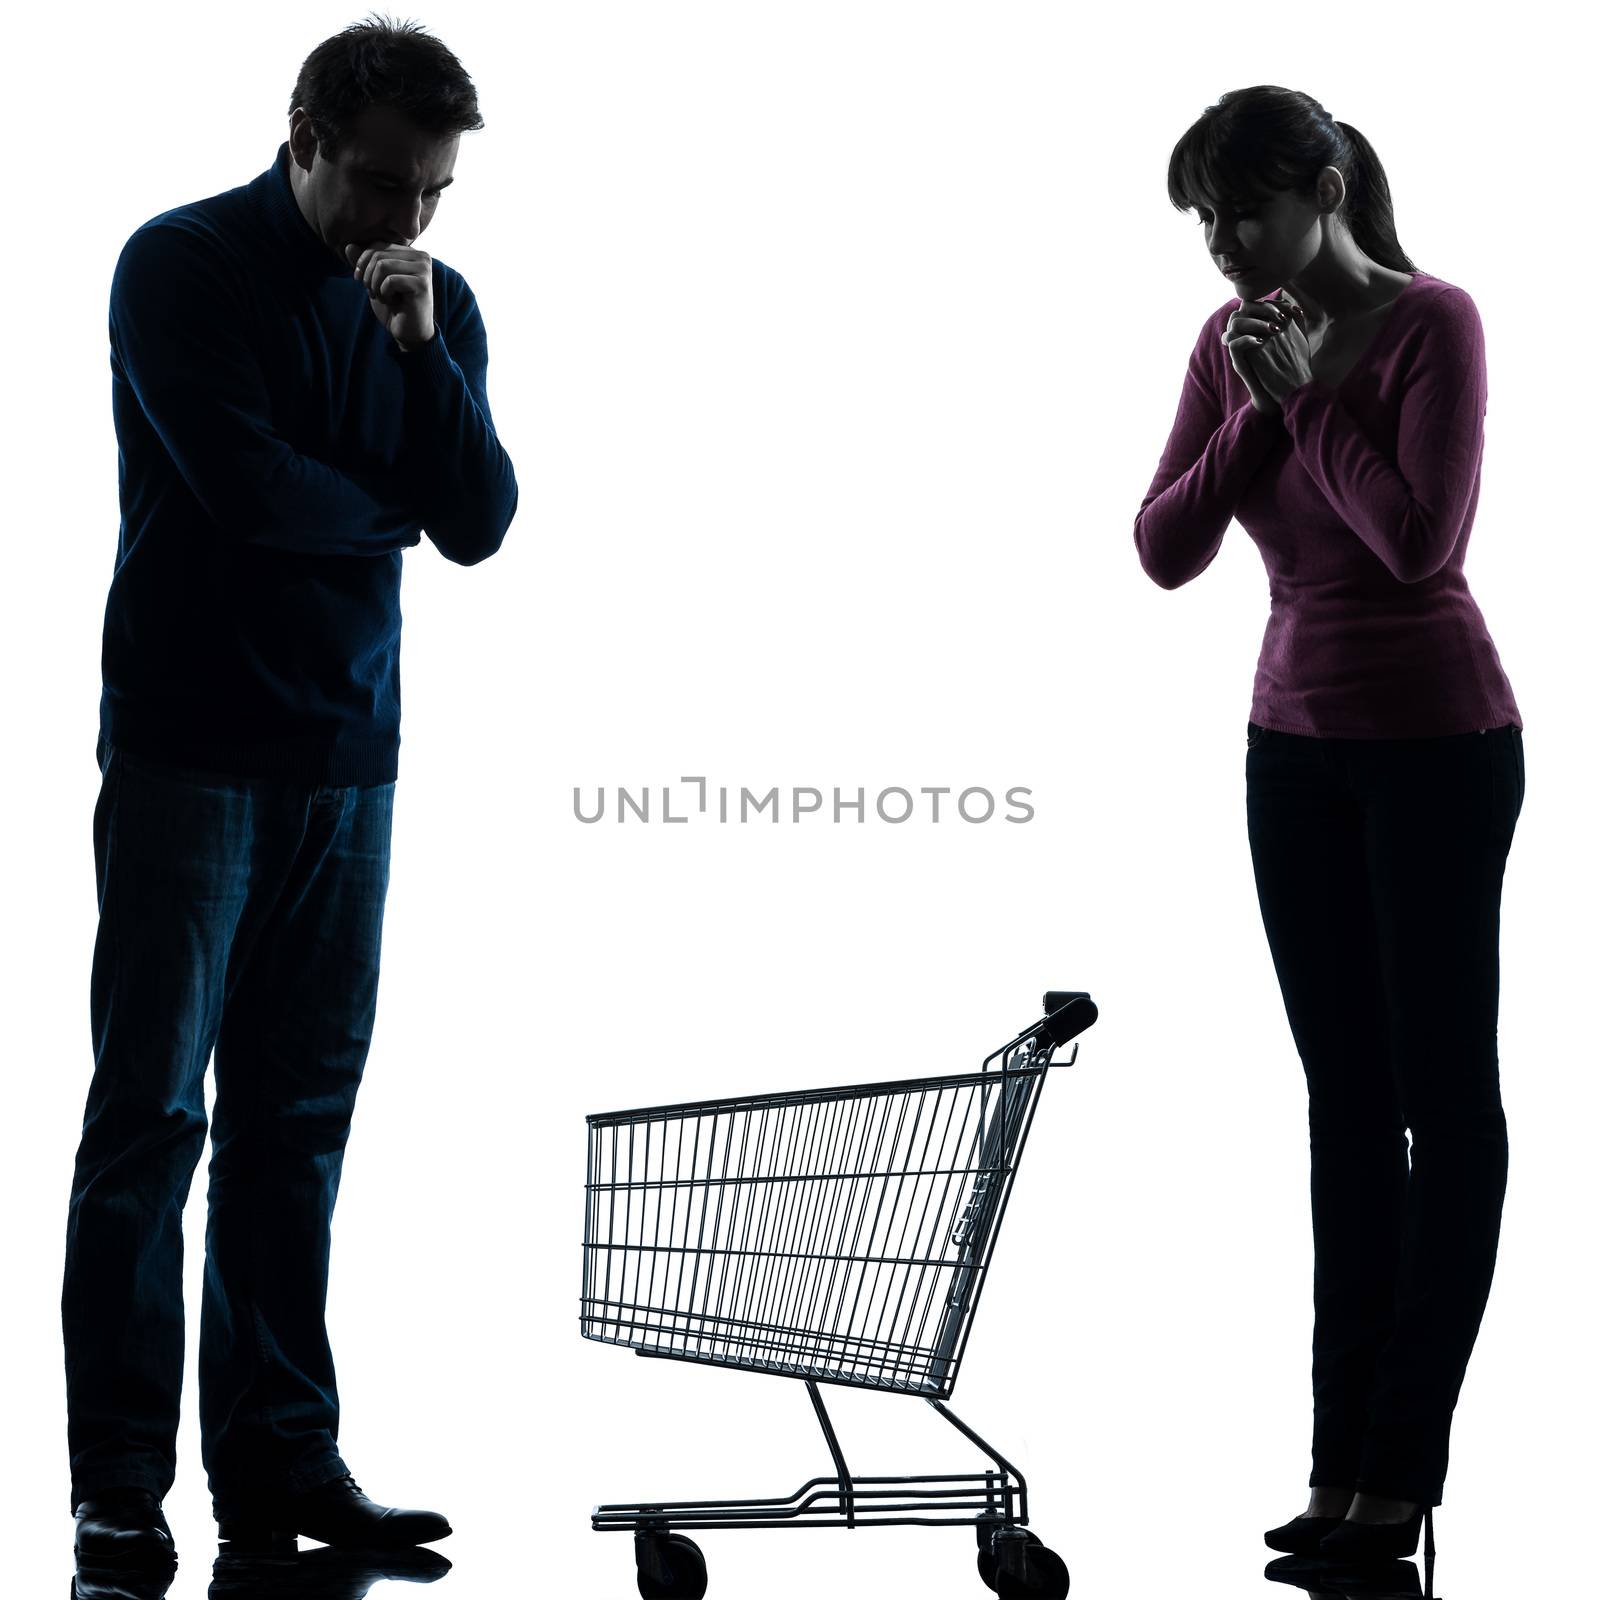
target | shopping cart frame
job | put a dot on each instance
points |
(1000, 1102)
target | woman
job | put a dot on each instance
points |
(1337, 412)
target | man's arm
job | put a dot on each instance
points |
(457, 474)
(1207, 465)
(178, 334)
(1409, 512)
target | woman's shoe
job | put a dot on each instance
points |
(1377, 1541)
(1302, 1536)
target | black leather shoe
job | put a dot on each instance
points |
(120, 1525)
(1356, 1543)
(334, 1513)
(1301, 1536)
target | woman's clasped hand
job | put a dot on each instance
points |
(1266, 341)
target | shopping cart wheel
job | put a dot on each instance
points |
(988, 1561)
(1022, 1568)
(671, 1566)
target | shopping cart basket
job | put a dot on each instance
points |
(837, 1236)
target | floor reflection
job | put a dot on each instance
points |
(322, 1572)
(94, 1581)
(1382, 1580)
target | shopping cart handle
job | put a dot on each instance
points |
(1067, 1013)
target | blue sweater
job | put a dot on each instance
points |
(277, 451)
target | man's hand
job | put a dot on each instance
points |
(399, 285)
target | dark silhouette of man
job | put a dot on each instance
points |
(298, 393)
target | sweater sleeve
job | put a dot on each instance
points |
(1208, 463)
(179, 336)
(458, 474)
(1409, 512)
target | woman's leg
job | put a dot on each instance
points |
(1307, 845)
(1441, 813)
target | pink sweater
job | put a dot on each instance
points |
(1361, 500)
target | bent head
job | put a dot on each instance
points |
(1274, 181)
(384, 185)
(375, 120)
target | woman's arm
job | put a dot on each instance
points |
(1409, 512)
(1208, 463)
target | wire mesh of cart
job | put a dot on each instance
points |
(837, 1236)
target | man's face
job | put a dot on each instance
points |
(383, 186)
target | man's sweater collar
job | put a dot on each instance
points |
(300, 244)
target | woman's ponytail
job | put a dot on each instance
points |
(1369, 210)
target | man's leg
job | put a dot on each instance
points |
(290, 1056)
(171, 863)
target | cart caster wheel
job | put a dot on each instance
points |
(988, 1562)
(1026, 1570)
(670, 1565)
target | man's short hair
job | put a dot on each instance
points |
(381, 62)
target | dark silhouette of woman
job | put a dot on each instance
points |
(1336, 410)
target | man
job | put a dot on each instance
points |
(298, 394)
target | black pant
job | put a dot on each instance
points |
(1378, 865)
(244, 915)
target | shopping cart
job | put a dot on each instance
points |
(836, 1236)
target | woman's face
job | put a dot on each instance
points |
(1272, 239)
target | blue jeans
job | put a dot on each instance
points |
(244, 916)
(1378, 865)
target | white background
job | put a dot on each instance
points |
(835, 346)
